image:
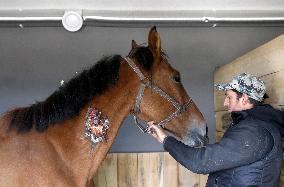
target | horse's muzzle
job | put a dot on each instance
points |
(197, 137)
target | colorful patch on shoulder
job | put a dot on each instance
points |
(96, 125)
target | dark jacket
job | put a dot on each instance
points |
(249, 154)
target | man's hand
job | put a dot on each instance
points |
(156, 131)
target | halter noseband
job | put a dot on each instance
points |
(180, 108)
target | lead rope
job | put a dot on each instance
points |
(146, 83)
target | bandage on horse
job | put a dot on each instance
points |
(62, 141)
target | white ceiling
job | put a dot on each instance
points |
(167, 12)
(142, 4)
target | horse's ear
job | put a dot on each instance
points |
(134, 44)
(154, 42)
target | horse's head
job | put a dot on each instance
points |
(161, 96)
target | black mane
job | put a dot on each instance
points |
(69, 99)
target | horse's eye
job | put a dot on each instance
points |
(176, 78)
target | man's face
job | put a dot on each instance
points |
(231, 102)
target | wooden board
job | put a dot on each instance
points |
(150, 170)
(170, 168)
(275, 89)
(107, 177)
(223, 120)
(127, 169)
(219, 135)
(202, 180)
(282, 176)
(187, 178)
(266, 61)
(145, 169)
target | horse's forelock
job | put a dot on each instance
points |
(144, 56)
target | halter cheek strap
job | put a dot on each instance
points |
(180, 108)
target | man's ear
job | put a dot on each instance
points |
(245, 99)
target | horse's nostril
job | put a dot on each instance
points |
(197, 137)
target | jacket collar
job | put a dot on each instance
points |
(239, 116)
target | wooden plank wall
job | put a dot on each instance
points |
(160, 169)
(267, 62)
(145, 170)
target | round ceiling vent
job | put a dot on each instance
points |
(72, 20)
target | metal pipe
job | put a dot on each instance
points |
(167, 18)
(122, 19)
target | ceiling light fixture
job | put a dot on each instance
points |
(72, 20)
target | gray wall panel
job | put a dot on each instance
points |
(34, 60)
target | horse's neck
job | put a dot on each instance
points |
(77, 150)
(117, 104)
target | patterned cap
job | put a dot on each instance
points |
(245, 83)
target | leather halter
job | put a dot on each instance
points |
(180, 108)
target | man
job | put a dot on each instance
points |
(250, 152)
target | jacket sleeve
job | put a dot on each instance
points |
(240, 146)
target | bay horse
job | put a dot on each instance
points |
(62, 140)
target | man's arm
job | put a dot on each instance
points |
(241, 146)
